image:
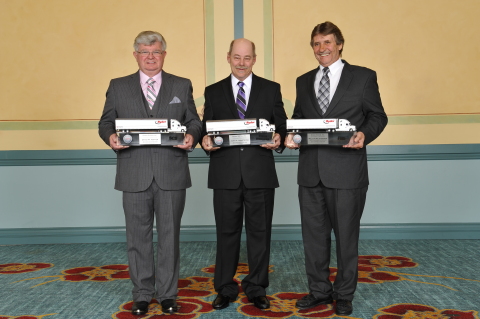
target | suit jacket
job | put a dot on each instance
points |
(254, 165)
(138, 166)
(357, 100)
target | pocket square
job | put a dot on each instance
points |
(175, 100)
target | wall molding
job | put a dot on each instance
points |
(198, 156)
(71, 235)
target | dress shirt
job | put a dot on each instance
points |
(334, 76)
(143, 82)
(247, 87)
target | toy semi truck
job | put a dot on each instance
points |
(138, 132)
(240, 132)
(327, 125)
(321, 131)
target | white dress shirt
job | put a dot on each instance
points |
(247, 87)
(334, 76)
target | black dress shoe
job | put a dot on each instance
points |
(221, 302)
(169, 306)
(310, 301)
(261, 302)
(140, 308)
(344, 307)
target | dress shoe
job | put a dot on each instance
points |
(140, 308)
(221, 302)
(169, 306)
(344, 307)
(261, 302)
(310, 301)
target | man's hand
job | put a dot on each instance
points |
(187, 142)
(114, 144)
(275, 144)
(207, 144)
(356, 141)
(290, 143)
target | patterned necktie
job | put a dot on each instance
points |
(151, 94)
(241, 102)
(324, 91)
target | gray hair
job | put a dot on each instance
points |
(149, 38)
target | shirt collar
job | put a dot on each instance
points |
(334, 67)
(247, 81)
(144, 78)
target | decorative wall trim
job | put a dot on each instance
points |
(238, 19)
(70, 235)
(198, 156)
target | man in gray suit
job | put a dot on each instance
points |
(153, 179)
(333, 181)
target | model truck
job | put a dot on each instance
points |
(321, 131)
(137, 132)
(216, 127)
(240, 132)
(142, 125)
(328, 125)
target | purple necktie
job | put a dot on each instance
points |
(241, 102)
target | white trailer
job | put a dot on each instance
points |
(161, 132)
(320, 131)
(226, 133)
(159, 125)
(216, 127)
(328, 125)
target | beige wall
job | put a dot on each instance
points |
(58, 56)
(426, 53)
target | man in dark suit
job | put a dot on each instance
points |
(332, 180)
(153, 178)
(243, 178)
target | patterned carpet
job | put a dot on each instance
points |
(398, 280)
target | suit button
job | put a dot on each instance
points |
(241, 148)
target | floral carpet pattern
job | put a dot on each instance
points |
(386, 286)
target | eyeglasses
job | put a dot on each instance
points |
(147, 53)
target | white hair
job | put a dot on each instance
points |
(149, 38)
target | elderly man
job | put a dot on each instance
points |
(243, 178)
(153, 179)
(333, 181)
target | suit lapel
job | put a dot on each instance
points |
(228, 92)
(137, 94)
(311, 91)
(254, 92)
(345, 79)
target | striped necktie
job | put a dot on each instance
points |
(151, 94)
(323, 97)
(241, 102)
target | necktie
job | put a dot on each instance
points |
(324, 91)
(151, 94)
(241, 102)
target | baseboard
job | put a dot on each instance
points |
(72, 235)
